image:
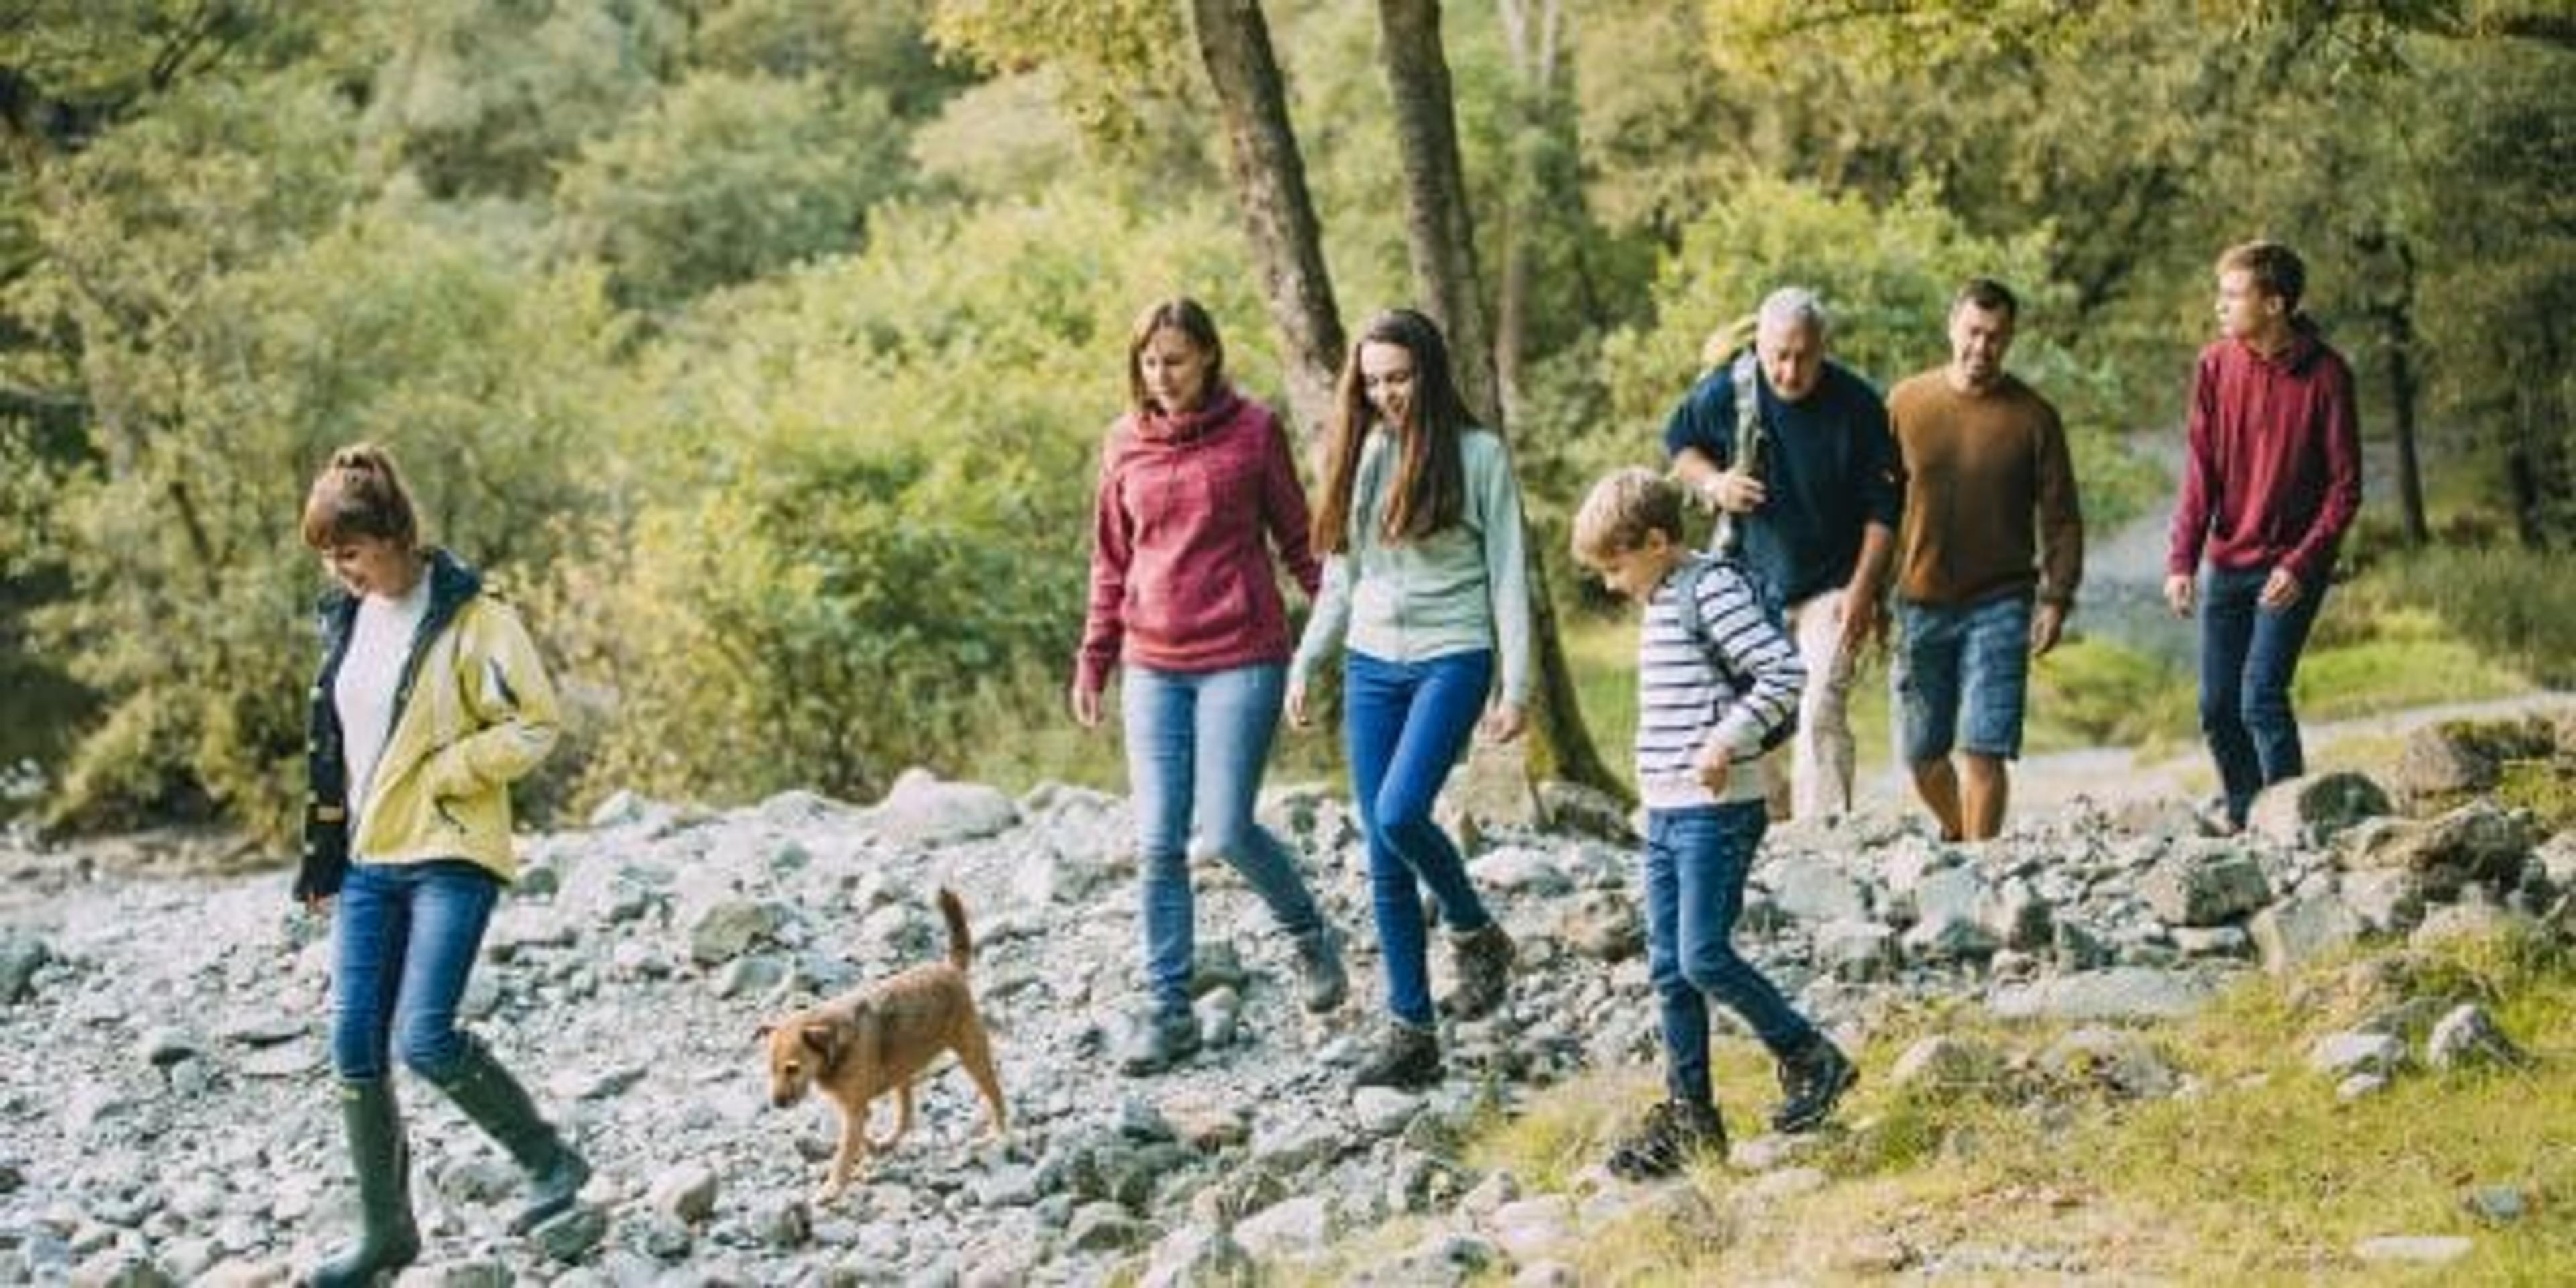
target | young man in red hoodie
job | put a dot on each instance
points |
(2272, 480)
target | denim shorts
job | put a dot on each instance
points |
(1961, 674)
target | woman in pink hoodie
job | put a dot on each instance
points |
(1198, 506)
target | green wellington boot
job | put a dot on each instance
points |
(493, 1099)
(387, 1239)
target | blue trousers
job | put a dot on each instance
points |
(1196, 742)
(1406, 724)
(1696, 863)
(2248, 656)
(404, 937)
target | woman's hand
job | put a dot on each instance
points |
(1296, 704)
(1086, 706)
(1503, 722)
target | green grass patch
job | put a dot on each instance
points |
(2513, 605)
(2407, 657)
(2257, 1173)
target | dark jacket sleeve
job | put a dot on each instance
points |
(1882, 474)
(1705, 419)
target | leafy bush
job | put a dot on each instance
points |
(864, 523)
(2518, 606)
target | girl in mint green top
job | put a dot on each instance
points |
(1426, 581)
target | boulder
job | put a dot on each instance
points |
(2297, 810)
(2205, 888)
(2476, 842)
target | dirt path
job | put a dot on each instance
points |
(2116, 773)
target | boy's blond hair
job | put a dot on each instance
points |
(1621, 509)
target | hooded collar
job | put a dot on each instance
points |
(2306, 340)
(1155, 425)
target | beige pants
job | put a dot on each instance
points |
(1821, 755)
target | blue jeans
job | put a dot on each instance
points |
(1962, 677)
(1406, 723)
(403, 939)
(1195, 745)
(1696, 862)
(2248, 655)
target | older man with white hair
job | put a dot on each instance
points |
(1794, 450)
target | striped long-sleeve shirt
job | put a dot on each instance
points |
(1733, 684)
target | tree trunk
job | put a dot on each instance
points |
(2397, 333)
(1441, 234)
(1438, 229)
(1278, 214)
(1533, 40)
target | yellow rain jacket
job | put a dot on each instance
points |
(475, 711)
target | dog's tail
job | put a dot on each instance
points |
(961, 945)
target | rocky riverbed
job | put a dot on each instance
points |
(165, 1113)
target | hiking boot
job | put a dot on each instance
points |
(1484, 957)
(1158, 1043)
(1810, 1082)
(1661, 1145)
(1321, 981)
(501, 1107)
(1407, 1059)
(387, 1239)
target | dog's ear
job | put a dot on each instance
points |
(821, 1037)
(761, 1034)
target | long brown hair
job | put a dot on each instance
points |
(360, 495)
(1430, 491)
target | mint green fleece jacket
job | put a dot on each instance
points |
(1463, 588)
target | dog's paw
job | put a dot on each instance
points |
(828, 1193)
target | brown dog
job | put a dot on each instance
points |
(877, 1039)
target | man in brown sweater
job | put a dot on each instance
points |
(1988, 488)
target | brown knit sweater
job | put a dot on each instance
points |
(1987, 487)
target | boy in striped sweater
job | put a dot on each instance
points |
(1707, 701)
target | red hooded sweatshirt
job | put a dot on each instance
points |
(1181, 576)
(2274, 473)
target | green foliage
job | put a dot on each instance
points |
(879, 47)
(488, 97)
(725, 178)
(2514, 606)
(869, 547)
(189, 583)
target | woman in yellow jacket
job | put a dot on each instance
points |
(431, 699)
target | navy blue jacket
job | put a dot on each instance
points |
(1833, 469)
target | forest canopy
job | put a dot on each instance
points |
(762, 348)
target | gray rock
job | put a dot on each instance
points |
(2299, 810)
(1945, 1067)
(2018, 916)
(2386, 901)
(2476, 842)
(1520, 869)
(1857, 951)
(728, 928)
(2117, 993)
(1815, 889)
(2205, 888)
(921, 810)
(2496, 1204)
(1528, 1228)
(2340, 1055)
(1583, 810)
(687, 1192)
(2467, 1037)
(1292, 1230)
(1603, 925)
(1445, 1259)
(21, 956)
(1199, 1256)
(2302, 927)
(2124, 1064)
(1104, 1227)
